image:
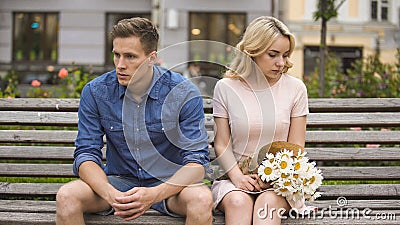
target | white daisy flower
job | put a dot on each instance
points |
(285, 164)
(267, 171)
(292, 176)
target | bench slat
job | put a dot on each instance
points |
(329, 173)
(386, 119)
(354, 104)
(39, 118)
(315, 104)
(350, 154)
(39, 104)
(360, 191)
(360, 173)
(38, 136)
(314, 153)
(36, 170)
(52, 104)
(18, 218)
(329, 191)
(34, 189)
(349, 137)
(344, 137)
(366, 191)
(38, 152)
(33, 206)
(13, 218)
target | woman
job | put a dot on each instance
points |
(256, 103)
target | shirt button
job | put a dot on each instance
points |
(137, 129)
(140, 169)
(138, 106)
(137, 149)
(112, 128)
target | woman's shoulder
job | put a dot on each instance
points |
(292, 81)
(227, 81)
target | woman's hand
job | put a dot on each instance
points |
(262, 184)
(246, 182)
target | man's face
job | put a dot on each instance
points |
(128, 56)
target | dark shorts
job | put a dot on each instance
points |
(126, 183)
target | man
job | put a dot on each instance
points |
(156, 141)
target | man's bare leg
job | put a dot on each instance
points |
(74, 199)
(195, 202)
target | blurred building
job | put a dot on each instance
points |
(41, 36)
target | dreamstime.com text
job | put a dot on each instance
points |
(337, 212)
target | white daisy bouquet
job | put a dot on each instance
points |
(286, 167)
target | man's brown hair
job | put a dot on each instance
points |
(140, 27)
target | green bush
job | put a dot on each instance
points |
(70, 83)
(11, 87)
(368, 78)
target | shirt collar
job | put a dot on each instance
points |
(152, 92)
(121, 90)
(155, 85)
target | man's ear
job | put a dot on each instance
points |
(152, 58)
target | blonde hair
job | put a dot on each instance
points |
(258, 38)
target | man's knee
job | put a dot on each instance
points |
(201, 199)
(67, 200)
(64, 194)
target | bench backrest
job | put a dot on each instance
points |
(351, 139)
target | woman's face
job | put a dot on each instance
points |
(273, 60)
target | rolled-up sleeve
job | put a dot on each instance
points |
(89, 141)
(193, 129)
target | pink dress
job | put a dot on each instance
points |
(256, 117)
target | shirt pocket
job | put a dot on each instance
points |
(114, 132)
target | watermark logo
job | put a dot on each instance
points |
(341, 201)
(341, 211)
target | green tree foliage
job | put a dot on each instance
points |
(326, 10)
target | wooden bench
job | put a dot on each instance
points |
(356, 143)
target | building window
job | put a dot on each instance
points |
(222, 27)
(379, 10)
(35, 37)
(112, 19)
(346, 55)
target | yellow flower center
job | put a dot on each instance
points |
(296, 176)
(271, 160)
(287, 183)
(284, 175)
(283, 164)
(297, 166)
(267, 170)
(283, 189)
(312, 179)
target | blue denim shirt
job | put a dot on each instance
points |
(147, 140)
